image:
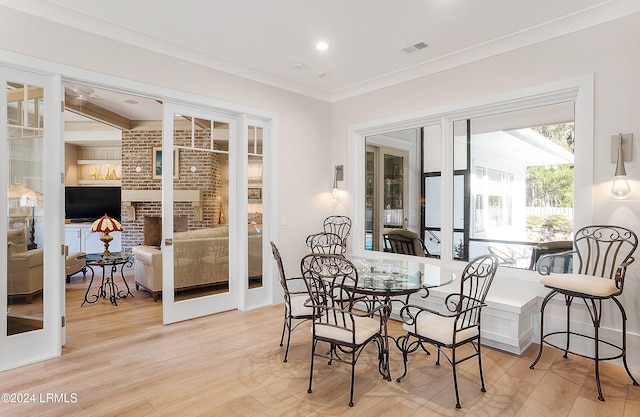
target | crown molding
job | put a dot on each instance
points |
(601, 13)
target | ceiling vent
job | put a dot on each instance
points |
(415, 47)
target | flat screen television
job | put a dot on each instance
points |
(86, 204)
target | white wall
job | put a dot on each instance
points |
(304, 160)
(610, 51)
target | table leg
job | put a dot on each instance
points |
(102, 292)
(383, 366)
(128, 293)
(86, 300)
(114, 288)
(108, 283)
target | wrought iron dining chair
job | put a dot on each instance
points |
(457, 324)
(326, 242)
(331, 280)
(332, 244)
(603, 255)
(294, 301)
(405, 242)
(340, 225)
(552, 247)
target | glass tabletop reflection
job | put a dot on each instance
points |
(398, 277)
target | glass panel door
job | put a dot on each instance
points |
(196, 211)
(254, 207)
(385, 193)
(29, 330)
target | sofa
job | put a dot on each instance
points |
(201, 259)
(74, 264)
(25, 272)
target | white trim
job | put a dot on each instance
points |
(123, 85)
(603, 12)
(584, 19)
(241, 180)
(38, 345)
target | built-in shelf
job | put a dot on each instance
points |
(99, 171)
(98, 162)
(96, 166)
(99, 182)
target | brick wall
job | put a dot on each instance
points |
(137, 148)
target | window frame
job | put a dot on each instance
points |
(579, 90)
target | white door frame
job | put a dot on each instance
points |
(34, 346)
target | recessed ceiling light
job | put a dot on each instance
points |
(130, 101)
(320, 74)
(321, 46)
(297, 65)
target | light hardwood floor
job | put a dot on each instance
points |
(121, 361)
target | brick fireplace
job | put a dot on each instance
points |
(206, 177)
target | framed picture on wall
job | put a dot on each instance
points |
(156, 162)
(255, 193)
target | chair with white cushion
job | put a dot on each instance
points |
(603, 254)
(331, 280)
(294, 300)
(456, 324)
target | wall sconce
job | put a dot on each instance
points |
(621, 147)
(338, 175)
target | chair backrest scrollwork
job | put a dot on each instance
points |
(330, 280)
(340, 225)
(605, 251)
(327, 243)
(475, 282)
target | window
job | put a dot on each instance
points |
(522, 184)
(499, 176)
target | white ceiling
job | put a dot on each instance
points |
(260, 39)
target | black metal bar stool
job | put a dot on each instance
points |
(604, 253)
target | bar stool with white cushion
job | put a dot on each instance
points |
(603, 254)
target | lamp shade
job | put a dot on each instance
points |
(31, 199)
(106, 224)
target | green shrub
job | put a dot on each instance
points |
(534, 220)
(558, 221)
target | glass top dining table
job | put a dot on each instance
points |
(398, 277)
(383, 280)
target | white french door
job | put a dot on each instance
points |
(200, 240)
(32, 278)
